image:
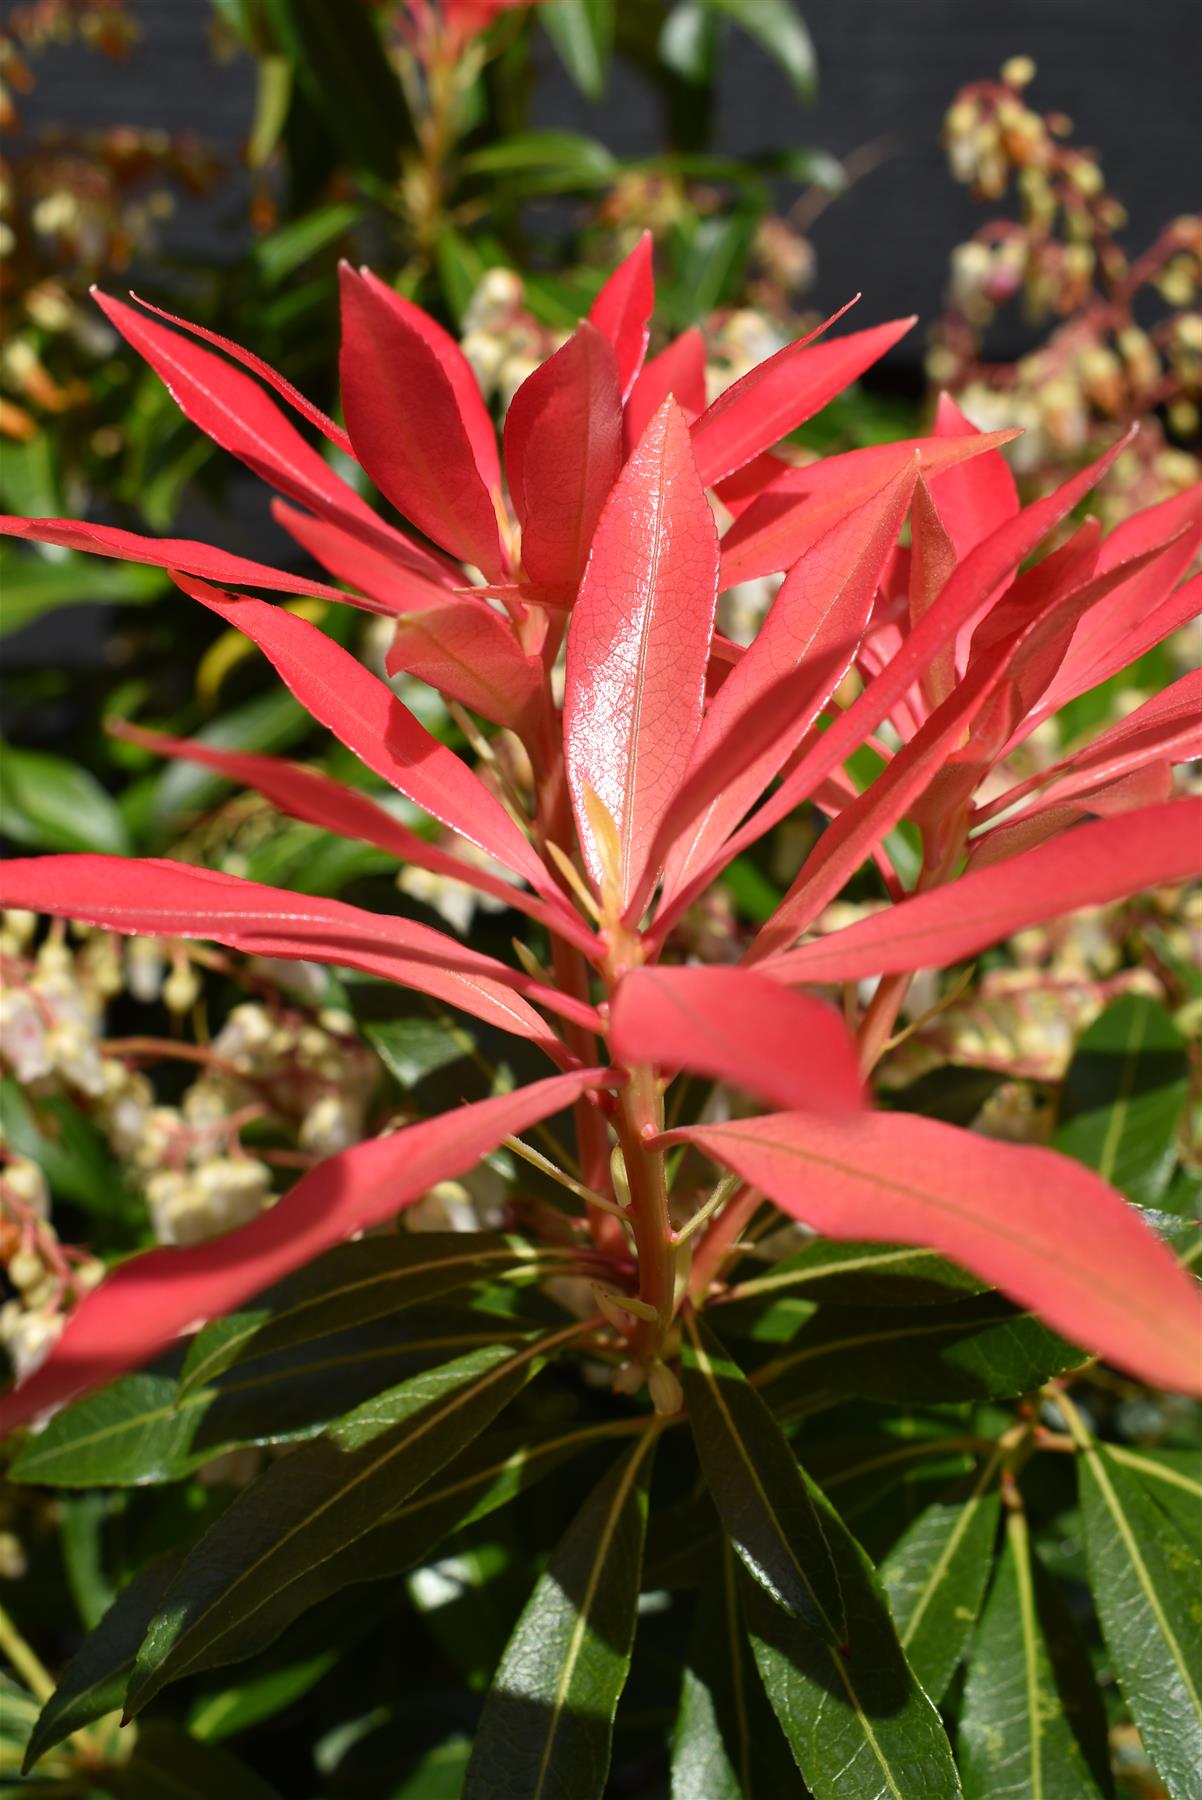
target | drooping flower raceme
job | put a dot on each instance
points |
(591, 540)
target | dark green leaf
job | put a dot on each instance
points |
(935, 1578)
(532, 158)
(859, 1725)
(258, 1566)
(354, 1283)
(1174, 1480)
(340, 62)
(1147, 1583)
(727, 1745)
(983, 1348)
(1015, 1737)
(411, 1049)
(168, 1764)
(582, 33)
(51, 804)
(93, 1682)
(766, 1501)
(71, 1153)
(779, 28)
(145, 1429)
(33, 584)
(232, 1709)
(547, 1723)
(1123, 1097)
(855, 1275)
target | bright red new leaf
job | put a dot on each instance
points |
(1049, 1233)
(1089, 866)
(563, 451)
(406, 424)
(622, 311)
(679, 372)
(151, 1299)
(738, 1027)
(638, 646)
(469, 653)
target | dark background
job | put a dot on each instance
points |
(1128, 76)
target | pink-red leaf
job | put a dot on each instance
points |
(405, 422)
(815, 621)
(159, 898)
(365, 716)
(563, 450)
(164, 553)
(318, 799)
(263, 370)
(980, 574)
(152, 1298)
(862, 825)
(782, 393)
(458, 370)
(975, 497)
(1088, 866)
(622, 311)
(738, 1027)
(798, 505)
(395, 584)
(639, 644)
(678, 371)
(235, 412)
(1049, 1233)
(468, 652)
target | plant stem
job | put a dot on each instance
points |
(640, 1105)
(24, 1660)
(719, 1238)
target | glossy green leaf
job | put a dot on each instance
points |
(935, 1579)
(1147, 1583)
(582, 33)
(1174, 1480)
(1123, 1096)
(1015, 1737)
(144, 1429)
(168, 1764)
(353, 1283)
(726, 1744)
(411, 1049)
(260, 1564)
(52, 804)
(93, 1682)
(780, 29)
(858, 1724)
(766, 1501)
(845, 1274)
(547, 1723)
(983, 1348)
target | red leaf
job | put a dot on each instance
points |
(394, 584)
(404, 417)
(1149, 785)
(975, 497)
(815, 621)
(317, 799)
(468, 652)
(678, 371)
(159, 898)
(151, 1299)
(365, 716)
(861, 826)
(639, 644)
(263, 370)
(622, 311)
(782, 393)
(1089, 866)
(458, 370)
(235, 412)
(732, 1026)
(797, 505)
(563, 451)
(164, 553)
(1050, 1234)
(980, 574)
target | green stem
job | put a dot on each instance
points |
(24, 1660)
(640, 1105)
